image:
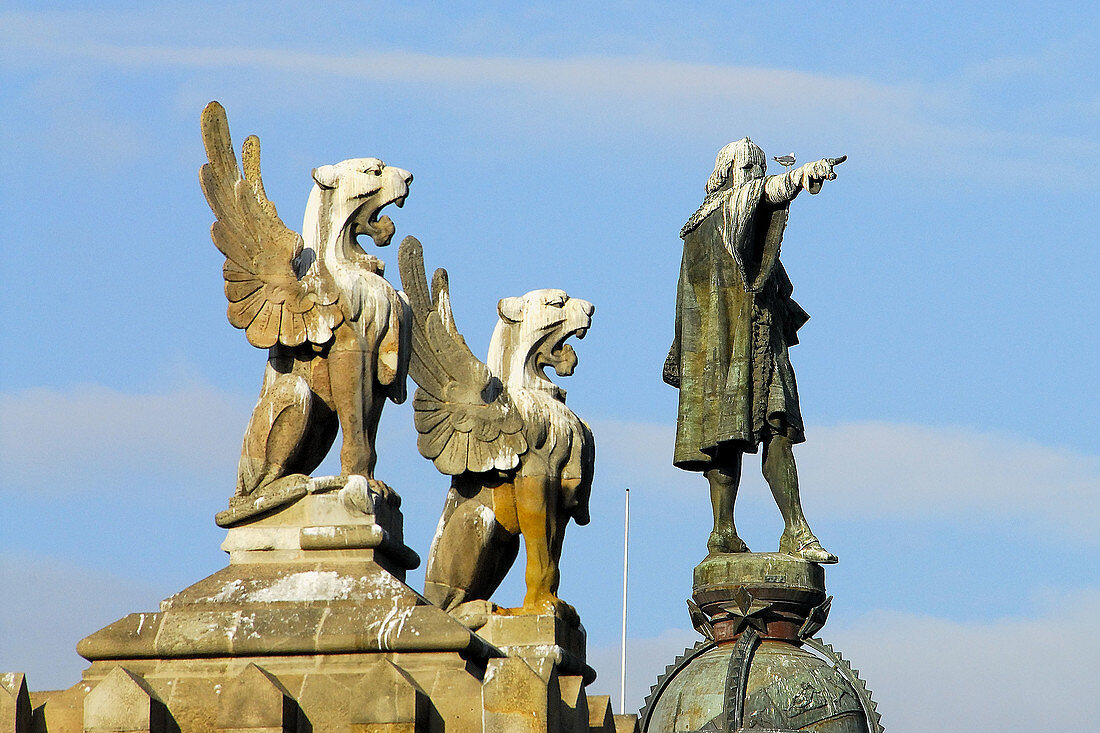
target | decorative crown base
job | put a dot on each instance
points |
(779, 596)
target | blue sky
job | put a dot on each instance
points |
(947, 375)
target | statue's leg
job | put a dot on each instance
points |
(279, 423)
(470, 555)
(724, 479)
(557, 538)
(372, 409)
(536, 509)
(782, 477)
(352, 389)
(322, 425)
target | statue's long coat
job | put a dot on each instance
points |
(735, 319)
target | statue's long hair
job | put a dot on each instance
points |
(730, 160)
(743, 151)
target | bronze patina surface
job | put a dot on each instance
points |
(758, 685)
(760, 667)
(735, 320)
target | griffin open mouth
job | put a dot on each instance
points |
(381, 228)
(561, 355)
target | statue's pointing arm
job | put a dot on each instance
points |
(810, 176)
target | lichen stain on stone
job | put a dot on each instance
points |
(310, 585)
(227, 592)
(250, 620)
(381, 586)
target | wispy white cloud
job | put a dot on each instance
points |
(927, 125)
(614, 77)
(1026, 673)
(912, 470)
(876, 469)
(931, 674)
(53, 438)
(48, 605)
(63, 441)
(57, 442)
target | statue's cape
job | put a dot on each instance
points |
(752, 233)
(752, 236)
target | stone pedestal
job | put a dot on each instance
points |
(544, 642)
(539, 686)
(311, 627)
(310, 621)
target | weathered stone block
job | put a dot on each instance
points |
(124, 703)
(574, 704)
(453, 685)
(256, 702)
(547, 643)
(387, 699)
(514, 698)
(316, 522)
(15, 703)
(626, 723)
(600, 719)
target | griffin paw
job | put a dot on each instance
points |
(383, 490)
(474, 614)
(551, 606)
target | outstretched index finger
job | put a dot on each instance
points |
(837, 161)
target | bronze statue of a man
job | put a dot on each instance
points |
(735, 320)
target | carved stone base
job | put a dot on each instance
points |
(540, 685)
(351, 523)
(544, 642)
(311, 627)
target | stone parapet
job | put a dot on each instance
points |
(311, 627)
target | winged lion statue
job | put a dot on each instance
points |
(337, 333)
(520, 461)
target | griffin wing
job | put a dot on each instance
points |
(266, 298)
(461, 411)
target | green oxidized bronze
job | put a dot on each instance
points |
(761, 667)
(735, 320)
(761, 685)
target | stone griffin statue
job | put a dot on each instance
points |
(735, 320)
(520, 461)
(337, 334)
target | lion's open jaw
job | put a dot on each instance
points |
(381, 228)
(561, 355)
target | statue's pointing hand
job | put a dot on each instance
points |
(812, 175)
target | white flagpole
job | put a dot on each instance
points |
(626, 557)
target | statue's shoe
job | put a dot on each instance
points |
(804, 545)
(721, 542)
